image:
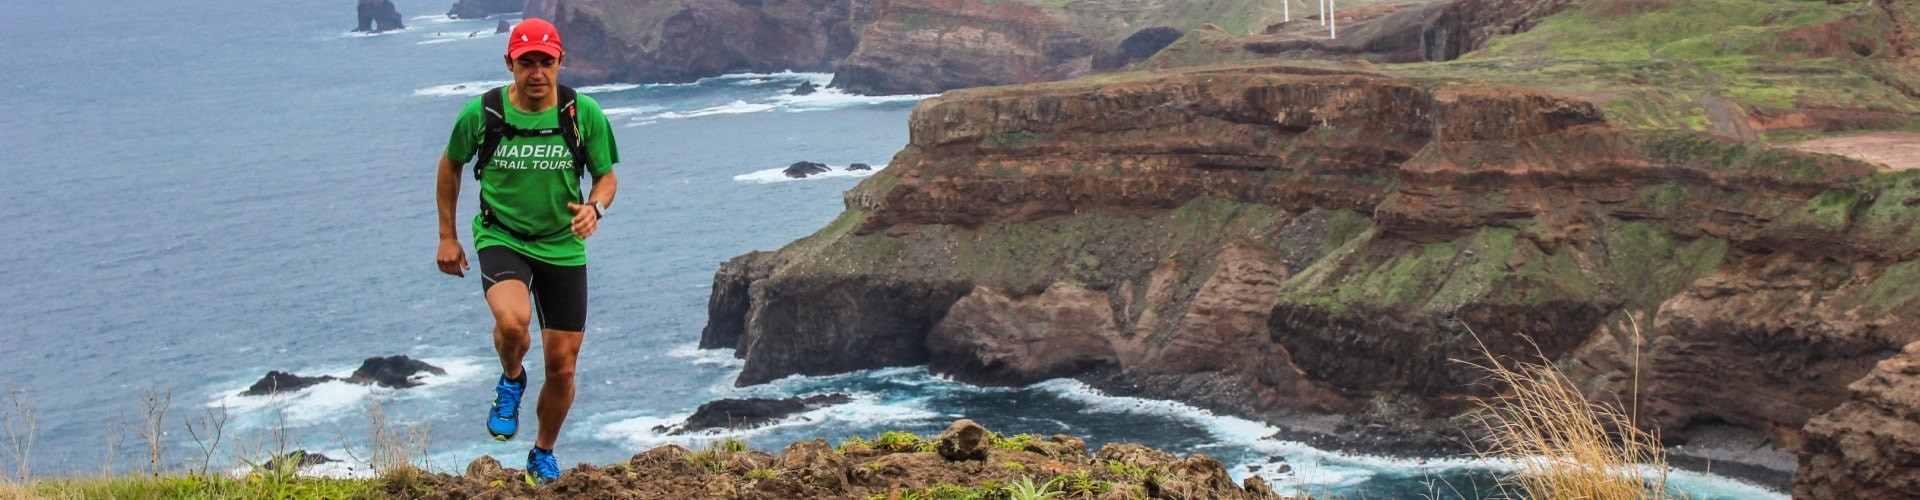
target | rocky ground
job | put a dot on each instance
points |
(966, 461)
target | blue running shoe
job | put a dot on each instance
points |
(504, 419)
(541, 467)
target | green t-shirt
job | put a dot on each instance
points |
(531, 179)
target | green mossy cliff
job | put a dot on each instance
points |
(1328, 239)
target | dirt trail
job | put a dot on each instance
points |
(1896, 150)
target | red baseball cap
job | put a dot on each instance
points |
(534, 35)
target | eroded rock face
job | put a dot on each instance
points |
(378, 16)
(931, 46)
(1339, 241)
(684, 40)
(1868, 447)
(991, 339)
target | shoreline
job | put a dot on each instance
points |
(1723, 451)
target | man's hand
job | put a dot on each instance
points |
(452, 259)
(585, 219)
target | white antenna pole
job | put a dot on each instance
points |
(1333, 31)
(1323, 12)
(1286, 8)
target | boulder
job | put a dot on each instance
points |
(480, 9)
(398, 371)
(377, 16)
(1869, 447)
(749, 413)
(806, 88)
(859, 166)
(279, 381)
(964, 440)
(801, 169)
(484, 468)
(297, 459)
(815, 463)
(503, 28)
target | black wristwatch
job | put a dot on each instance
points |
(598, 211)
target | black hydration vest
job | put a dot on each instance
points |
(497, 129)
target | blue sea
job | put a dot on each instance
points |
(200, 192)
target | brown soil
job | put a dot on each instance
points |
(815, 469)
(1896, 150)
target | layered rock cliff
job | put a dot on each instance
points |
(684, 40)
(1329, 240)
(931, 46)
(1868, 447)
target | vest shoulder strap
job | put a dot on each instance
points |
(494, 112)
(570, 130)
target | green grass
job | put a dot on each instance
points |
(1651, 68)
(251, 486)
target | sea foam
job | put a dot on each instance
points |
(865, 409)
(329, 401)
(779, 174)
(463, 89)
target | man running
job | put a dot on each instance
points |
(531, 231)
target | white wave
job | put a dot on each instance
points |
(733, 108)
(331, 400)
(1225, 428)
(865, 409)
(713, 357)
(609, 88)
(825, 98)
(773, 175)
(466, 89)
(439, 38)
(365, 34)
(1316, 471)
(792, 384)
(630, 110)
(433, 19)
(749, 78)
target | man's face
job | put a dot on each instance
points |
(534, 74)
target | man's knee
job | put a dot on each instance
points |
(512, 328)
(559, 373)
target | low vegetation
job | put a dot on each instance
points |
(1562, 444)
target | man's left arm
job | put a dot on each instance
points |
(586, 218)
(599, 144)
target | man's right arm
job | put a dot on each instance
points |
(451, 258)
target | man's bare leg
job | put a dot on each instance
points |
(512, 313)
(562, 349)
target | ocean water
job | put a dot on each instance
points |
(200, 192)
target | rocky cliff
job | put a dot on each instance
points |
(377, 16)
(874, 46)
(685, 40)
(1336, 241)
(931, 46)
(1868, 447)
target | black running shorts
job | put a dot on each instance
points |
(559, 292)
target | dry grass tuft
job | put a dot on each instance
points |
(11, 491)
(1565, 445)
